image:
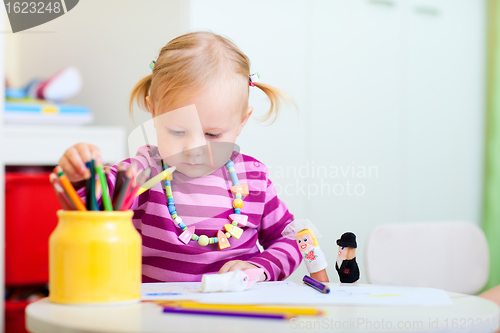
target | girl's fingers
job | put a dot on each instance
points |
(84, 150)
(78, 163)
(69, 170)
(239, 265)
(96, 153)
(227, 266)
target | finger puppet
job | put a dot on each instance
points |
(305, 234)
(231, 281)
(346, 264)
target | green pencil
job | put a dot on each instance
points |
(104, 186)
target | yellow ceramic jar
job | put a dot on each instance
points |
(94, 257)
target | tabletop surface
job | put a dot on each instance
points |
(468, 314)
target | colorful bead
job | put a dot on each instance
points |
(239, 189)
(240, 219)
(233, 230)
(234, 178)
(223, 242)
(186, 235)
(238, 203)
(203, 240)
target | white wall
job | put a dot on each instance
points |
(390, 89)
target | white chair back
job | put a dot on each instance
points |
(447, 255)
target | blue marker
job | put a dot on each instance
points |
(162, 294)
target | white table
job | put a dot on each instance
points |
(46, 317)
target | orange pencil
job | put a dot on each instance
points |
(70, 190)
(61, 195)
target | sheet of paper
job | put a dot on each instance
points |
(284, 292)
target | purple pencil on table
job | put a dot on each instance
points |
(227, 313)
(316, 284)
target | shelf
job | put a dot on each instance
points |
(44, 145)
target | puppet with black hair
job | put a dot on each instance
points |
(346, 264)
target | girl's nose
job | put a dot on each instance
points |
(195, 151)
(195, 145)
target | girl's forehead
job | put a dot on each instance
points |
(218, 106)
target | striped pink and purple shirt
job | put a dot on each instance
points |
(205, 203)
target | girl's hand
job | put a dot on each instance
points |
(73, 161)
(235, 265)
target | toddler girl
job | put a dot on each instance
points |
(209, 216)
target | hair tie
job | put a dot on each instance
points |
(152, 64)
(253, 78)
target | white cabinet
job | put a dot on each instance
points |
(445, 89)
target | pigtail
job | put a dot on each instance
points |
(276, 97)
(139, 94)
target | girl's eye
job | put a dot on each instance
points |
(305, 239)
(342, 247)
(300, 241)
(213, 136)
(176, 132)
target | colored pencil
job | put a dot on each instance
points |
(124, 190)
(156, 179)
(87, 188)
(315, 284)
(70, 190)
(129, 200)
(60, 193)
(90, 192)
(104, 187)
(295, 310)
(119, 182)
(262, 315)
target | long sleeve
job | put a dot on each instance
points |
(281, 256)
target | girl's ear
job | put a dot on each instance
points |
(150, 106)
(244, 120)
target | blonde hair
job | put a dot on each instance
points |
(193, 62)
(307, 231)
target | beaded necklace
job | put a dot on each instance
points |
(237, 219)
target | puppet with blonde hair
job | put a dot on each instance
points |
(305, 234)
